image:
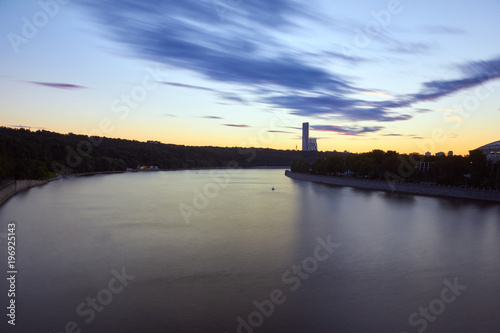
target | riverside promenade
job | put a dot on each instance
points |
(432, 190)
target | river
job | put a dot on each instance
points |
(221, 251)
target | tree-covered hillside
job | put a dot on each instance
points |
(28, 154)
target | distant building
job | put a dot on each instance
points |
(423, 167)
(428, 153)
(313, 145)
(305, 136)
(308, 144)
(450, 153)
(154, 142)
(441, 153)
(491, 150)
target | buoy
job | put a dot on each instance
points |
(273, 188)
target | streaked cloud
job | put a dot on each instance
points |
(347, 130)
(475, 73)
(276, 131)
(342, 106)
(236, 125)
(211, 117)
(377, 93)
(242, 50)
(181, 85)
(58, 85)
(422, 110)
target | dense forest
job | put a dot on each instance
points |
(28, 154)
(472, 170)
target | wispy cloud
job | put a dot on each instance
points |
(342, 106)
(422, 110)
(347, 130)
(58, 85)
(443, 30)
(211, 117)
(377, 93)
(276, 131)
(233, 97)
(236, 125)
(413, 48)
(342, 56)
(411, 136)
(181, 85)
(243, 50)
(475, 73)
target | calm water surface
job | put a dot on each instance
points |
(208, 251)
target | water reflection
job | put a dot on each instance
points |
(395, 251)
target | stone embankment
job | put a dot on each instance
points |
(433, 190)
(14, 187)
(8, 190)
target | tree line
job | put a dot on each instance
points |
(26, 154)
(471, 170)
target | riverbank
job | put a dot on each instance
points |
(16, 186)
(10, 189)
(432, 190)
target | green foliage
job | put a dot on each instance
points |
(473, 170)
(477, 167)
(41, 154)
(300, 165)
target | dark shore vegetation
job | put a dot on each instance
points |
(28, 154)
(471, 170)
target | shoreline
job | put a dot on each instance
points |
(420, 189)
(8, 190)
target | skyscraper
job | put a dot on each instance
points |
(305, 136)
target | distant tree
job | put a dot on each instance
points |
(477, 167)
(300, 165)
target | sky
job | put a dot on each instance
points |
(409, 75)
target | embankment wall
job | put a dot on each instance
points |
(8, 190)
(434, 190)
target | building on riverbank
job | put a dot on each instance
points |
(491, 150)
